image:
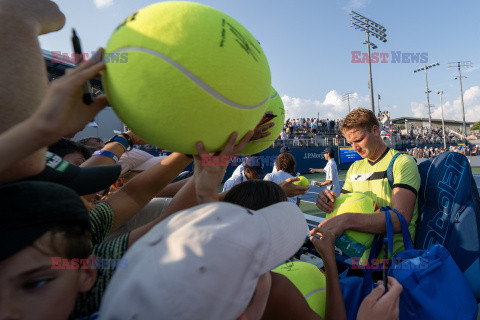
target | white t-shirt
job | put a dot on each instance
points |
(238, 171)
(278, 177)
(233, 181)
(332, 174)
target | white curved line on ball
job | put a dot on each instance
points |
(314, 291)
(350, 202)
(199, 82)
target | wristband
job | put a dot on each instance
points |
(129, 139)
(107, 154)
(120, 139)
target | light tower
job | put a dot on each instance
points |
(370, 27)
(426, 67)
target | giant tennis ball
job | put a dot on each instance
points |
(359, 203)
(302, 182)
(309, 280)
(189, 73)
(275, 104)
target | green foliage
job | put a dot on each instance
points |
(476, 126)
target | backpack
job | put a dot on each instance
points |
(449, 212)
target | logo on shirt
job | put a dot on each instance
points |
(361, 177)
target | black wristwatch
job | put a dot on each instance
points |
(127, 143)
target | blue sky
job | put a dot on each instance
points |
(309, 47)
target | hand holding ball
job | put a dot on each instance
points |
(302, 182)
(359, 203)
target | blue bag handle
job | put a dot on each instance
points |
(367, 285)
(367, 278)
(407, 241)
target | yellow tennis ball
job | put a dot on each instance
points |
(309, 280)
(359, 203)
(275, 104)
(302, 182)
(192, 73)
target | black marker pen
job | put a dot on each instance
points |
(87, 88)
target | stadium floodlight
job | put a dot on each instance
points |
(443, 121)
(347, 96)
(459, 65)
(370, 27)
(426, 67)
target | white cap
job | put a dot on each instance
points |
(203, 263)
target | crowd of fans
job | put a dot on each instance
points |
(429, 152)
(197, 255)
(311, 125)
(310, 132)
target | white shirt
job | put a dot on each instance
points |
(274, 167)
(238, 171)
(278, 177)
(233, 181)
(332, 174)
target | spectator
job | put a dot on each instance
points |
(253, 169)
(286, 169)
(70, 151)
(331, 171)
(96, 143)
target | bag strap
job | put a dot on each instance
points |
(390, 169)
(407, 241)
(367, 284)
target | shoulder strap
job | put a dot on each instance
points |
(390, 169)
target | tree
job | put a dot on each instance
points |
(476, 126)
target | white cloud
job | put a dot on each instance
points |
(356, 4)
(103, 3)
(453, 109)
(332, 107)
(418, 109)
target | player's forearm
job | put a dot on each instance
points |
(370, 222)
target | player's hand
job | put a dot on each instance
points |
(312, 170)
(379, 305)
(325, 200)
(292, 190)
(43, 15)
(62, 112)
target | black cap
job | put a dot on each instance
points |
(285, 149)
(31, 208)
(255, 163)
(84, 180)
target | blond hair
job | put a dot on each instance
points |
(360, 118)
